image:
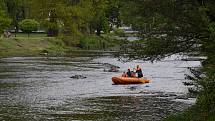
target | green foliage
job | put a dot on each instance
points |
(113, 13)
(119, 32)
(16, 10)
(28, 25)
(178, 117)
(105, 25)
(177, 26)
(73, 17)
(193, 113)
(4, 21)
(172, 27)
(70, 40)
(96, 42)
(52, 25)
(91, 42)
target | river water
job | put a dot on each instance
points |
(40, 89)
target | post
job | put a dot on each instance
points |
(15, 30)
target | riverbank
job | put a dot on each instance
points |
(41, 45)
(33, 46)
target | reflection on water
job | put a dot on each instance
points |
(40, 88)
(123, 108)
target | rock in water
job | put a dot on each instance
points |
(78, 77)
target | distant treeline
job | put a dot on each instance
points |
(69, 17)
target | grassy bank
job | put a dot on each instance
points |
(38, 44)
(32, 46)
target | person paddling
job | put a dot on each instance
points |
(139, 72)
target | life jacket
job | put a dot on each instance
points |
(133, 74)
(139, 69)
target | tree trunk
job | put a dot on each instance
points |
(98, 31)
(16, 30)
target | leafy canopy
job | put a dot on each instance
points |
(28, 25)
(4, 21)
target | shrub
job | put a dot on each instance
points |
(28, 26)
(94, 43)
(119, 32)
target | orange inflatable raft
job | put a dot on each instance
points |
(129, 80)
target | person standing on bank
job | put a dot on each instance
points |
(139, 72)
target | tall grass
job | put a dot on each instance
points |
(96, 42)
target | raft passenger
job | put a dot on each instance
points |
(139, 72)
(124, 74)
(129, 73)
(133, 74)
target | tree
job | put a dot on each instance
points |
(45, 11)
(75, 17)
(170, 27)
(16, 11)
(67, 17)
(99, 8)
(4, 21)
(113, 13)
(177, 26)
(28, 26)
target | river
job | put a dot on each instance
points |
(40, 89)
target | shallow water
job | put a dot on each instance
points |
(40, 88)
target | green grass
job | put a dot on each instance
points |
(98, 42)
(30, 46)
(22, 45)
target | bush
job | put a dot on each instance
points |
(95, 42)
(70, 40)
(119, 32)
(28, 26)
